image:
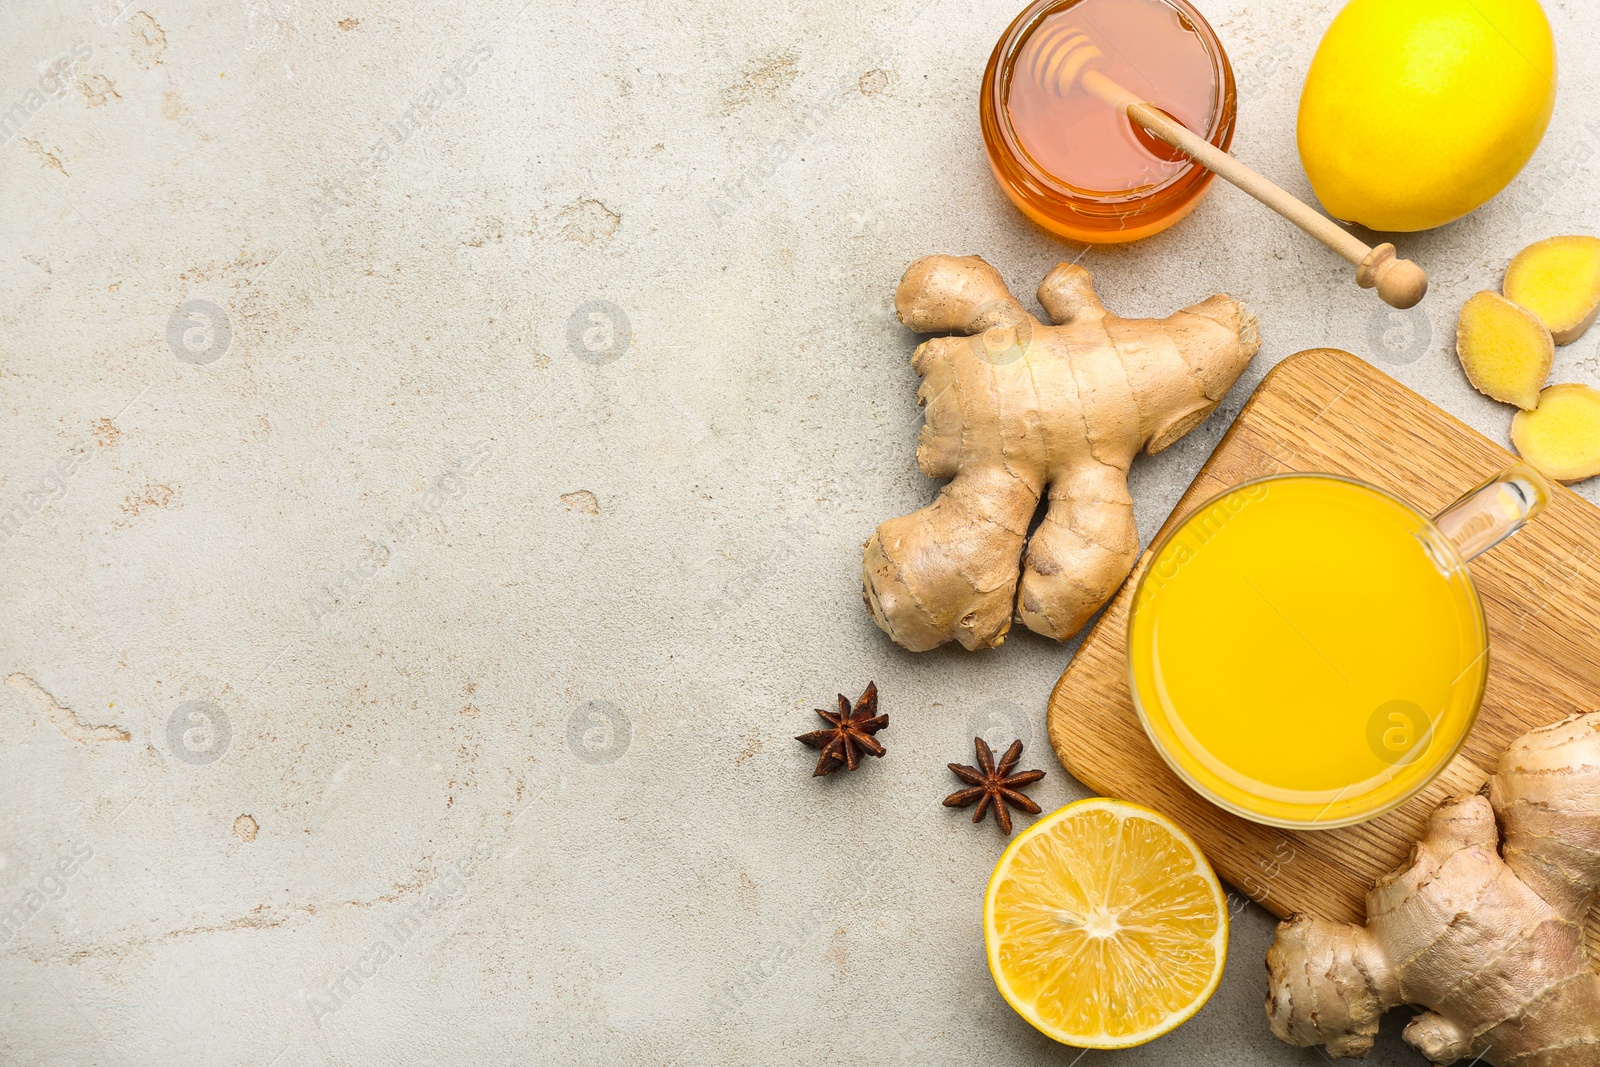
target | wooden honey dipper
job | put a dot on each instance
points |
(1064, 59)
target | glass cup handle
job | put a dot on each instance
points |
(1494, 510)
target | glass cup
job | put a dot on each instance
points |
(1309, 651)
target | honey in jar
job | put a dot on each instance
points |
(1078, 166)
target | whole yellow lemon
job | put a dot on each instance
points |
(1416, 112)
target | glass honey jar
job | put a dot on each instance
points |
(1078, 166)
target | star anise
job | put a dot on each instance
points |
(992, 785)
(849, 735)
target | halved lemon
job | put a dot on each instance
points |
(1105, 925)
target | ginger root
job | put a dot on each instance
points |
(1561, 437)
(1504, 348)
(1016, 409)
(1484, 930)
(1558, 279)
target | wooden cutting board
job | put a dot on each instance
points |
(1326, 410)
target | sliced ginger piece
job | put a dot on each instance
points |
(1561, 437)
(1504, 348)
(1558, 279)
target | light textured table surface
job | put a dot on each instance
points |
(438, 440)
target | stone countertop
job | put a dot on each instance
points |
(444, 435)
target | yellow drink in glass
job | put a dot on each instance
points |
(1307, 651)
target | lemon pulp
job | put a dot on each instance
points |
(1105, 925)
